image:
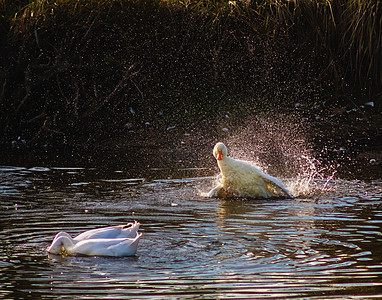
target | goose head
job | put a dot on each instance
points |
(220, 151)
(60, 245)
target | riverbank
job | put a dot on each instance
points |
(159, 82)
(323, 145)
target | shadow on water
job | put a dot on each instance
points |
(326, 243)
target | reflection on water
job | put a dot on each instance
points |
(327, 245)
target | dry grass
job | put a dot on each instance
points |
(349, 31)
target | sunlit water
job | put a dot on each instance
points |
(325, 245)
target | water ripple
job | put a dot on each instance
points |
(192, 247)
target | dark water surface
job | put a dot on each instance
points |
(325, 245)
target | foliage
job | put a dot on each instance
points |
(349, 31)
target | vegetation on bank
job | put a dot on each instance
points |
(76, 71)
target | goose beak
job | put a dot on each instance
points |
(219, 156)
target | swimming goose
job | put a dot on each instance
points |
(65, 245)
(241, 179)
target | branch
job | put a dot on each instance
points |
(121, 84)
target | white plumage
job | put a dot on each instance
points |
(121, 231)
(119, 240)
(241, 179)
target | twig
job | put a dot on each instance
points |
(121, 84)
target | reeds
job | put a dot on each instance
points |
(361, 43)
(349, 31)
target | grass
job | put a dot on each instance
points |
(347, 31)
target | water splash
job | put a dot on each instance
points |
(311, 180)
(279, 146)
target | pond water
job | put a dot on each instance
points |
(323, 244)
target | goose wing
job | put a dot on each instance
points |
(121, 231)
(276, 185)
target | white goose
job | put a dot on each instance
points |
(65, 245)
(119, 240)
(241, 179)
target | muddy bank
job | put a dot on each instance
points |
(126, 83)
(351, 151)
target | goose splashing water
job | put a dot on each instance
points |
(241, 179)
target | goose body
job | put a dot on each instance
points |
(65, 245)
(121, 240)
(241, 179)
(111, 232)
